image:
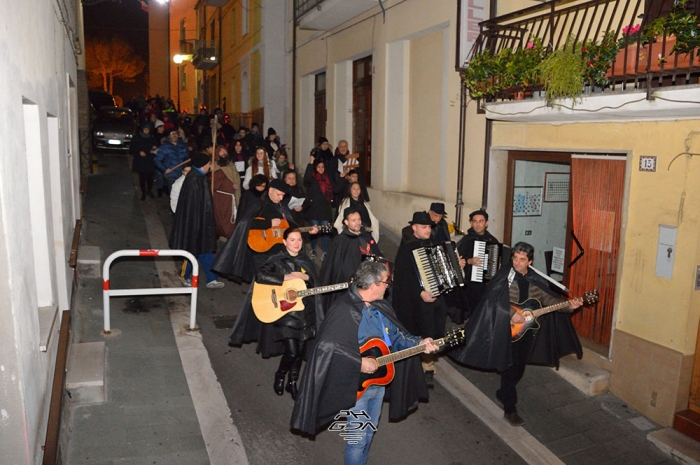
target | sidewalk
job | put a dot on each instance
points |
(154, 370)
(163, 406)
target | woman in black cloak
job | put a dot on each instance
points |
(289, 334)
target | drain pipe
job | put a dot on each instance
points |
(460, 159)
(294, 87)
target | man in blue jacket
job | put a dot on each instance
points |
(170, 154)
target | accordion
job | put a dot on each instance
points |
(491, 256)
(438, 267)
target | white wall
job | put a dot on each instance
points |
(37, 210)
(274, 66)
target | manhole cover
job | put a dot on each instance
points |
(224, 321)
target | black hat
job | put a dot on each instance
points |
(271, 131)
(479, 212)
(438, 208)
(321, 140)
(421, 218)
(199, 159)
(280, 185)
(349, 211)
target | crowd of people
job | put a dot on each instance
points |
(242, 209)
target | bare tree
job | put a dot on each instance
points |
(109, 59)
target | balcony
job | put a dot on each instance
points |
(217, 3)
(205, 55)
(645, 78)
(324, 15)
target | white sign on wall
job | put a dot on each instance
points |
(470, 14)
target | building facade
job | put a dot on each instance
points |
(39, 205)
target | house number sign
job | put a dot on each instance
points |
(647, 163)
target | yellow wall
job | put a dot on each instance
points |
(659, 310)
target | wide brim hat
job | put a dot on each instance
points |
(421, 218)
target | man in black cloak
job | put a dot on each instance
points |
(330, 381)
(193, 225)
(489, 345)
(346, 253)
(420, 311)
(236, 259)
(473, 291)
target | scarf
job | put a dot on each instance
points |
(325, 184)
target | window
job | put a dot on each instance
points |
(244, 17)
(233, 26)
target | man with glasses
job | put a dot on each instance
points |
(419, 310)
(329, 385)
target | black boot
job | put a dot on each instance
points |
(279, 383)
(292, 385)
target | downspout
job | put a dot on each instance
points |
(294, 82)
(460, 159)
(221, 60)
(487, 150)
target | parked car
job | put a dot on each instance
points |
(113, 128)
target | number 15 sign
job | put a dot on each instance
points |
(647, 163)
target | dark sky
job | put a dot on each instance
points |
(125, 19)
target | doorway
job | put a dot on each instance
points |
(362, 115)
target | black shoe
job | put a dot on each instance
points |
(429, 379)
(292, 388)
(279, 383)
(514, 419)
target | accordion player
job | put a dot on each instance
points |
(438, 267)
(491, 256)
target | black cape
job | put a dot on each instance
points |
(249, 329)
(343, 259)
(235, 259)
(193, 225)
(488, 339)
(407, 289)
(332, 375)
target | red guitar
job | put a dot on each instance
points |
(376, 348)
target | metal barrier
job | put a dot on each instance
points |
(107, 292)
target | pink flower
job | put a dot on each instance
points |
(625, 29)
(529, 45)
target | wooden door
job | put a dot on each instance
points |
(362, 115)
(597, 188)
(320, 114)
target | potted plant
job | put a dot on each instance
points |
(628, 51)
(598, 57)
(520, 67)
(563, 72)
(482, 76)
(673, 38)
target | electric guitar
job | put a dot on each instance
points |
(376, 348)
(530, 310)
(270, 303)
(262, 240)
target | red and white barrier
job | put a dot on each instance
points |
(107, 292)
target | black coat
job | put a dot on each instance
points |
(488, 339)
(440, 232)
(193, 225)
(318, 207)
(143, 144)
(343, 259)
(332, 375)
(297, 325)
(409, 305)
(465, 247)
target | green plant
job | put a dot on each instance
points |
(482, 76)
(563, 72)
(598, 57)
(679, 23)
(520, 65)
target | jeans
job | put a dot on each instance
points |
(325, 238)
(371, 404)
(205, 260)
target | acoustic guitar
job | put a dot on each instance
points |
(270, 303)
(262, 240)
(376, 348)
(531, 309)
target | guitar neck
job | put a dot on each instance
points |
(402, 354)
(551, 308)
(322, 289)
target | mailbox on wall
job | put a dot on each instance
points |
(666, 251)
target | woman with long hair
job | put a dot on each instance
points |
(260, 164)
(287, 335)
(356, 200)
(319, 195)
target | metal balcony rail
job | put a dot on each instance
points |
(107, 292)
(301, 7)
(186, 47)
(554, 21)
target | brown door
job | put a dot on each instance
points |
(320, 115)
(597, 188)
(362, 114)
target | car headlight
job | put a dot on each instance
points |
(129, 136)
(99, 133)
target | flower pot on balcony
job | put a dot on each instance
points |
(626, 60)
(667, 60)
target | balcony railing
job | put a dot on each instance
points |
(640, 64)
(205, 54)
(304, 6)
